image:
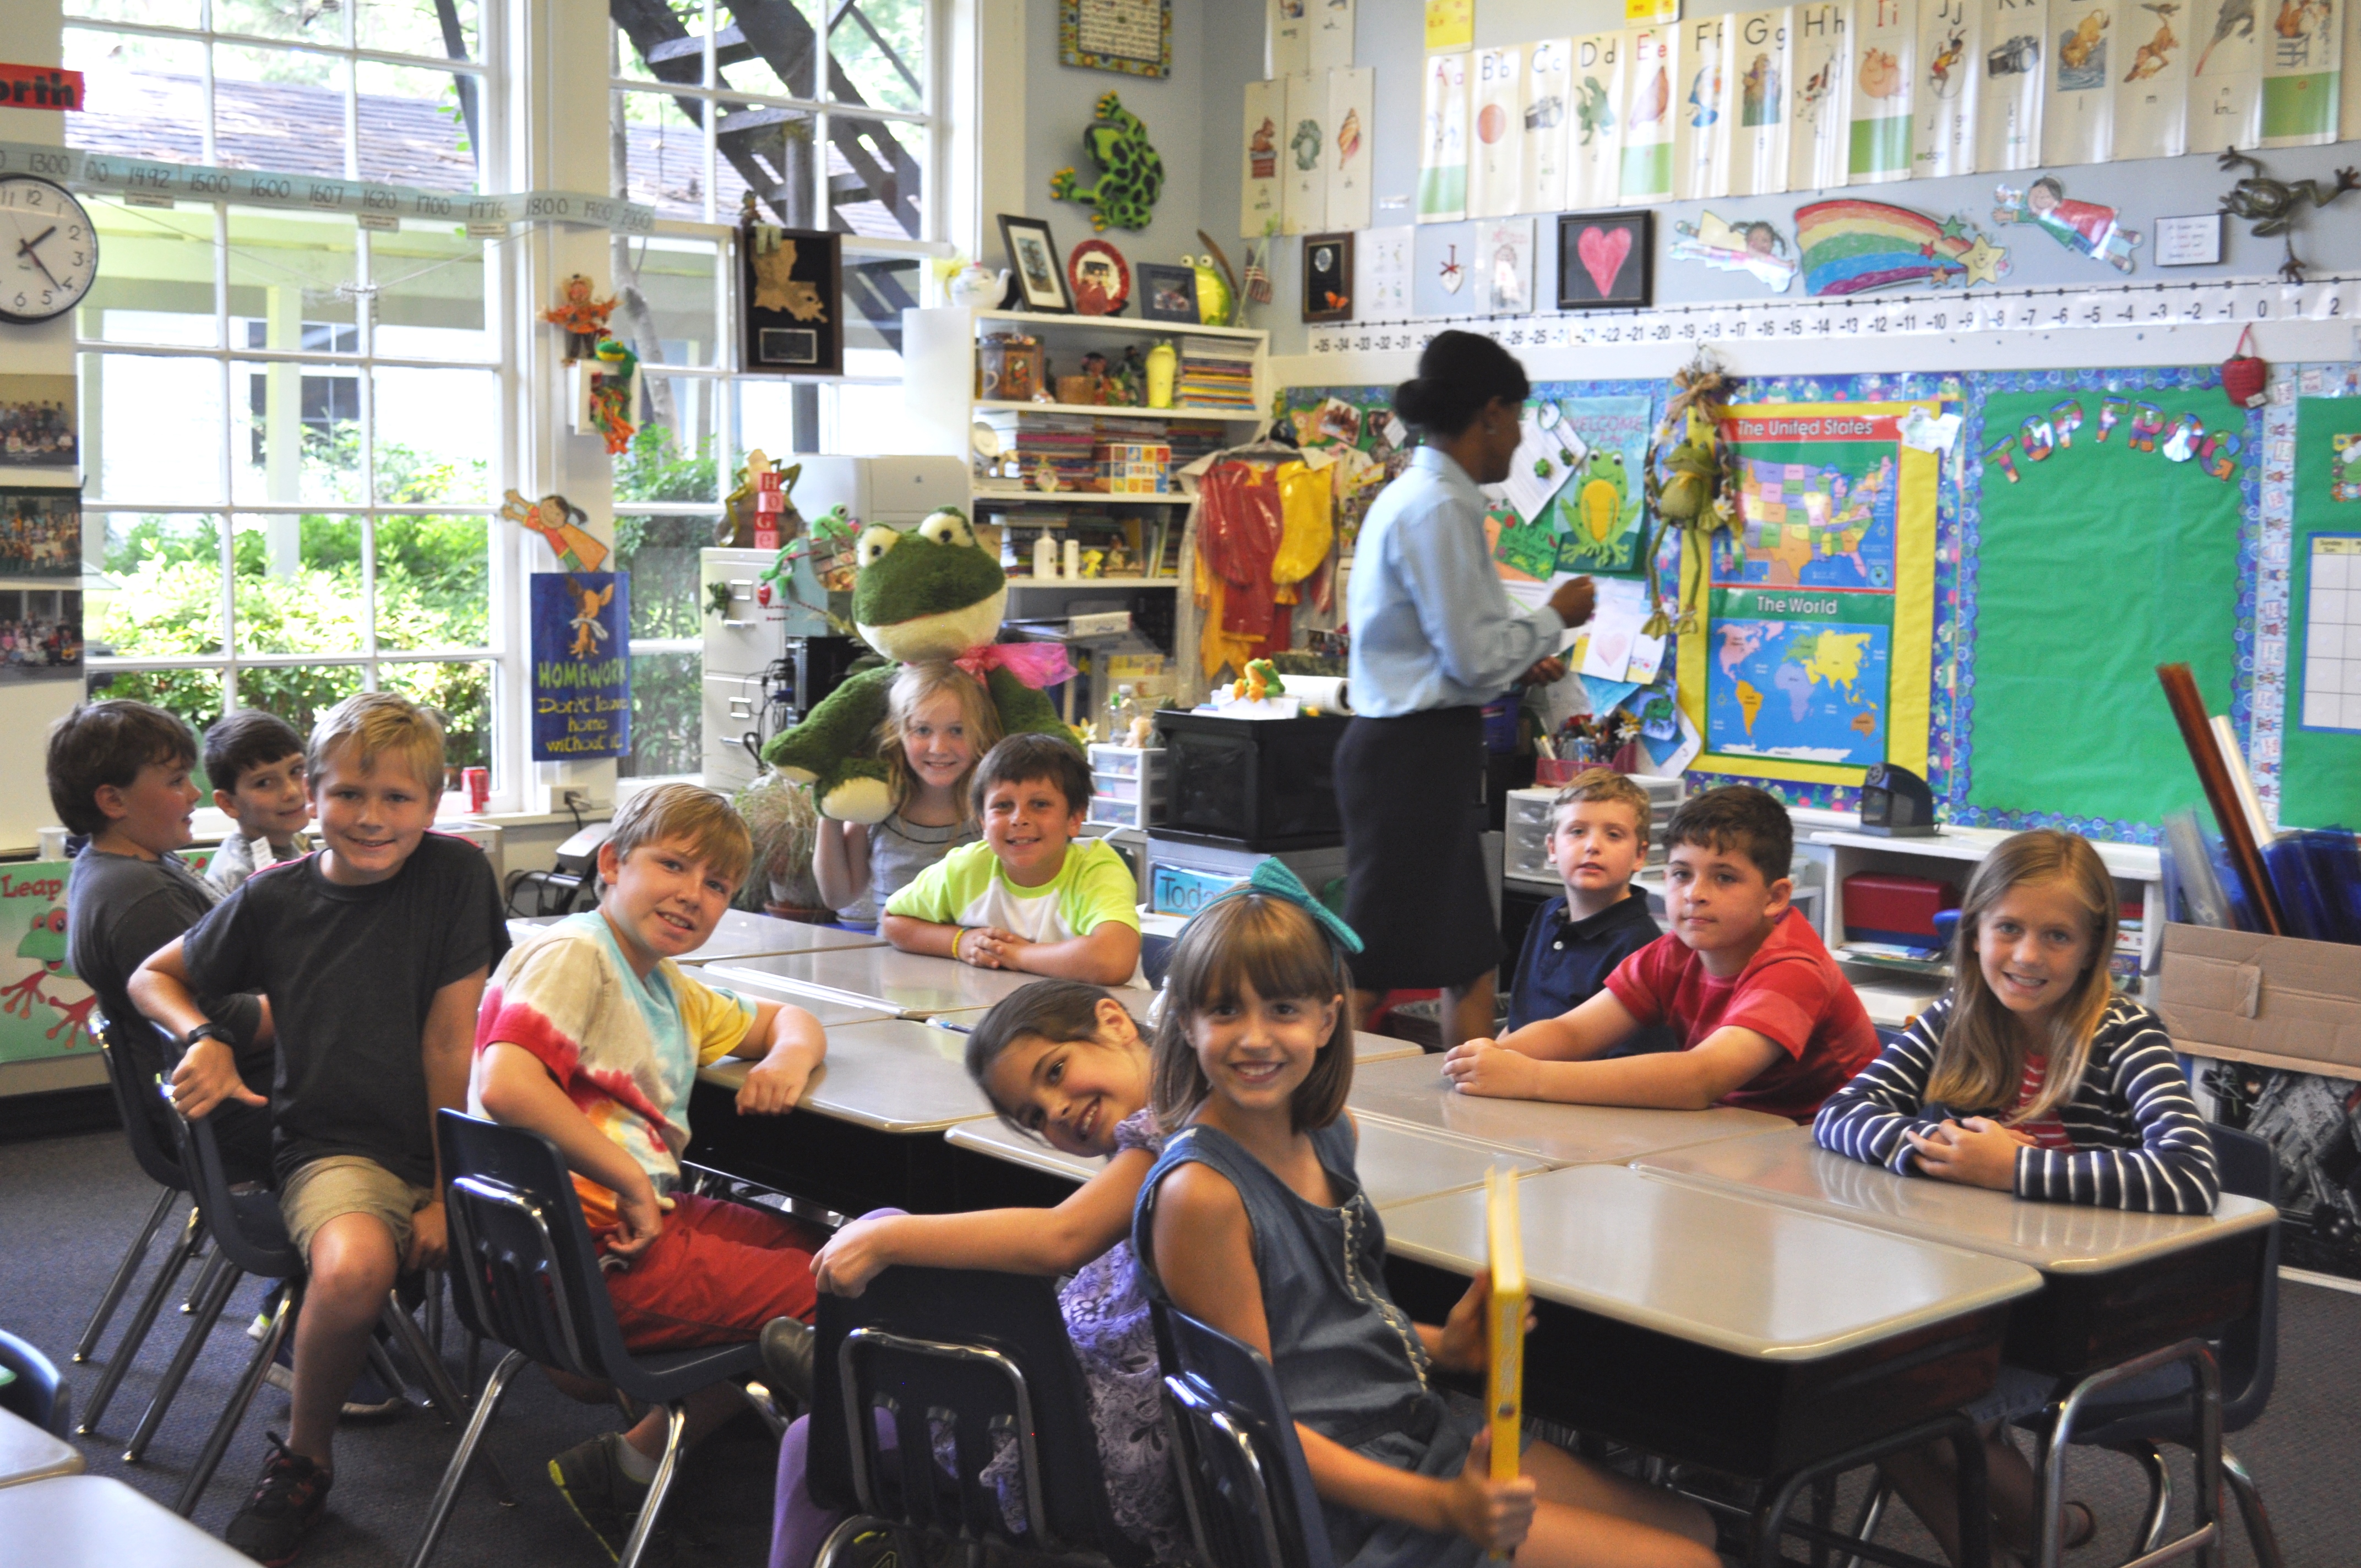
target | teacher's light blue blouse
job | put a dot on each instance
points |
(1431, 625)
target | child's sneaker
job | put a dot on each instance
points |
(590, 1477)
(286, 1501)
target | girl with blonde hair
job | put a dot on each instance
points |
(938, 721)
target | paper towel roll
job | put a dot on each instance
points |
(1325, 693)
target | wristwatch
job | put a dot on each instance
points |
(206, 1031)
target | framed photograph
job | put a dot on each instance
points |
(1167, 293)
(37, 422)
(790, 301)
(40, 635)
(1328, 277)
(1033, 258)
(1606, 260)
(40, 533)
(1101, 278)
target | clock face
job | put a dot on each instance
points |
(48, 250)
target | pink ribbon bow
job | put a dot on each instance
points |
(1034, 665)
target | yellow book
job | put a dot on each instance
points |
(1504, 1383)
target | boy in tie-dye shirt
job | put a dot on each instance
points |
(591, 1036)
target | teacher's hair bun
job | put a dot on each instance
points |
(1418, 400)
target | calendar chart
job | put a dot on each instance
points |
(2332, 634)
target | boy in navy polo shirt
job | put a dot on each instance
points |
(1597, 838)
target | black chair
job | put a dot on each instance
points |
(1243, 1479)
(36, 1393)
(947, 1404)
(525, 1273)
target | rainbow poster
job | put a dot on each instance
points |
(1852, 246)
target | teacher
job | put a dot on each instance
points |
(1436, 637)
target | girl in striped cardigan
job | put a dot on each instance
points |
(2029, 1077)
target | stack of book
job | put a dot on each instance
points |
(1068, 443)
(1216, 373)
(1191, 439)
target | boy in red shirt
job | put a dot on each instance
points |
(1767, 1020)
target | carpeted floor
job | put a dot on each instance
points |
(73, 1203)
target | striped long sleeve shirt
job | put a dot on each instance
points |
(2140, 1142)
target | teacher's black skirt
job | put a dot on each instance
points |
(1410, 792)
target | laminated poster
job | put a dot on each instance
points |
(44, 1008)
(1648, 122)
(2225, 76)
(581, 665)
(2078, 117)
(1351, 103)
(1496, 182)
(1258, 154)
(1504, 260)
(1331, 34)
(1705, 106)
(1287, 36)
(1761, 53)
(1943, 141)
(1450, 23)
(1443, 145)
(1598, 511)
(2152, 88)
(1819, 146)
(2300, 74)
(1381, 264)
(1303, 159)
(1599, 99)
(2008, 84)
(1885, 83)
(1548, 83)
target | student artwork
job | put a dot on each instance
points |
(1352, 107)
(1383, 259)
(1753, 246)
(580, 315)
(1648, 117)
(1328, 277)
(2008, 88)
(1505, 261)
(1595, 103)
(2079, 111)
(581, 665)
(1131, 172)
(610, 393)
(40, 635)
(40, 533)
(2344, 467)
(37, 422)
(1304, 166)
(1101, 278)
(44, 1008)
(1852, 247)
(2276, 206)
(1443, 140)
(790, 282)
(1259, 198)
(560, 524)
(1819, 144)
(1943, 140)
(2085, 228)
(1496, 156)
(933, 593)
(1884, 91)
(1544, 117)
(1604, 261)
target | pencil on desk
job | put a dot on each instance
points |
(1504, 1380)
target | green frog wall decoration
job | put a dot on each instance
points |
(1131, 172)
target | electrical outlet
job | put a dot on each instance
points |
(576, 800)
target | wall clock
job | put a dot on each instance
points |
(48, 250)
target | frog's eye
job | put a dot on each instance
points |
(947, 528)
(876, 540)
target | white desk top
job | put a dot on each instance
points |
(833, 1012)
(741, 934)
(1711, 1267)
(912, 985)
(1366, 1047)
(1789, 1170)
(1413, 1092)
(1397, 1164)
(892, 1075)
(92, 1521)
(28, 1454)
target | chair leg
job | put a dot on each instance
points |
(2259, 1534)
(762, 1404)
(133, 1256)
(136, 1334)
(434, 1309)
(209, 1458)
(438, 1512)
(201, 1329)
(675, 1423)
(1873, 1511)
(214, 1263)
(2159, 1493)
(449, 1403)
(841, 1538)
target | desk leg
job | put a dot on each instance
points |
(1771, 1521)
(2203, 1538)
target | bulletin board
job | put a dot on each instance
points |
(2320, 762)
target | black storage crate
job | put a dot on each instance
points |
(1263, 783)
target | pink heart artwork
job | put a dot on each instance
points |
(1603, 253)
(1613, 649)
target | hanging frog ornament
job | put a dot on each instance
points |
(1131, 173)
(1687, 483)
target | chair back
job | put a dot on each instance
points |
(36, 1393)
(135, 1105)
(2249, 1348)
(949, 1401)
(1243, 1478)
(247, 1226)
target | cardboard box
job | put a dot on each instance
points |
(2273, 1000)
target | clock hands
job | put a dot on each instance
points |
(25, 249)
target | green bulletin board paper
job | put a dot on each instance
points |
(2098, 563)
(2320, 770)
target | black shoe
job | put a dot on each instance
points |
(787, 1358)
(286, 1501)
(589, 1476)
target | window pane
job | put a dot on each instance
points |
(659, 467)
(297, 692)
(666, 153)
(415, 26)
(462, 694)
(280, 109)
(299, 585)
(431, 578)
(155, 13)
(660, 554)
(430, 293)
(291, 279)
(419, 127)
(142, 97)
(766, 415)
(790, 29)
(158, 590)
(877, 54)
(874, 183)
(668, 716)
(676, 280)
(438, 436)
(876, 292)
(167, 416)
(306, 21)
(767, 149)
(665, 37)
(156, 282)
(193, 697)
(296, 431)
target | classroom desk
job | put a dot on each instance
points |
(1413, 1092)
(995, 1166)
(2116, 1285)
(833, 1012)
(1707, 1326)
(92, 1521)
(868, 1131)
(742, 934)
(912, 985)
(28, 1454)
(1366, 1047)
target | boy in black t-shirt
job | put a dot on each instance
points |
(373, 954)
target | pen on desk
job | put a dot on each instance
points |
(954, 1028)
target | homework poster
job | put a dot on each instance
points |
(581, 666)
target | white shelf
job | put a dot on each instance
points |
(1084, 498)
(2131, 863)
(1132, 324)
(1116, 411)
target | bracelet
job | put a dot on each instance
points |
(205, 1031)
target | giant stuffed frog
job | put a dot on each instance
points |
(933, 593)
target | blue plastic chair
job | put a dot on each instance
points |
(1242, 1477)
(36, 1393)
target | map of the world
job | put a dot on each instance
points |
(1807, 691)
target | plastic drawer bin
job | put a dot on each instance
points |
(1259, 783)
(1122, 813)
(1126, 761)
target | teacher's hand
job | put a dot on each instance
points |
(1575, 599)
(1544, 672)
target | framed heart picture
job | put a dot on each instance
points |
(1605, 260)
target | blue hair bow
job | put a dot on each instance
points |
(1272, 877)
